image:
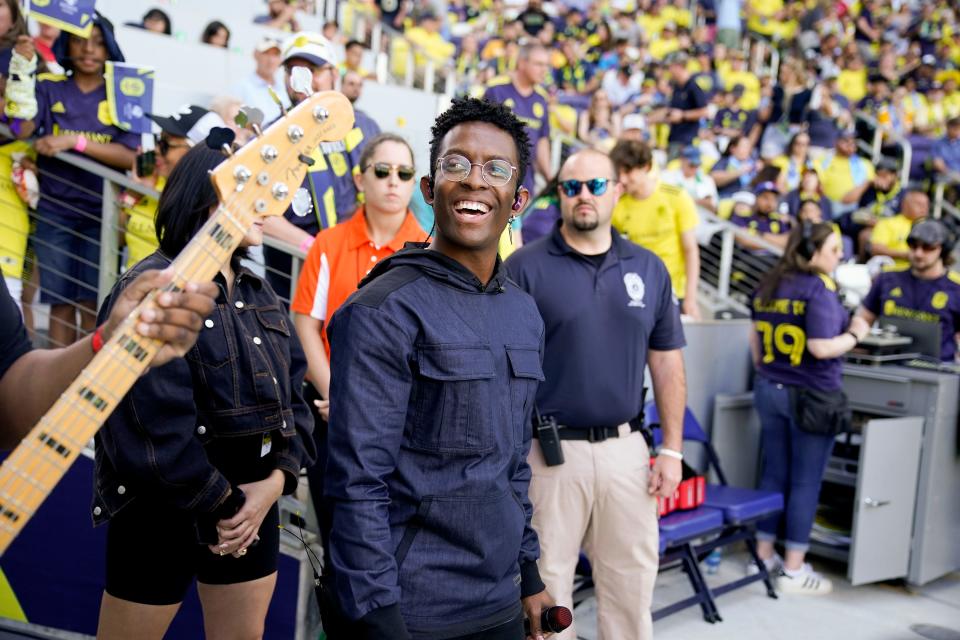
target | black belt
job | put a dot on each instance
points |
(594, 434)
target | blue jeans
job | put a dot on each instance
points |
(68, 252)
(793, 464)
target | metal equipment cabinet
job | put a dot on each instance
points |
(906, 519)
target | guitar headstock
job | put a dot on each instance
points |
(262, 176)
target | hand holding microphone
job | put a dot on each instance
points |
(552, 620)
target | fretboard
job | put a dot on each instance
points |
(36, 466)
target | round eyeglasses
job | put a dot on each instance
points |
(456, 168)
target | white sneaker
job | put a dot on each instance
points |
(774, 563)
(805, 581)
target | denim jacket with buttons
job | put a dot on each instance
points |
(243, 377)
(433, 380)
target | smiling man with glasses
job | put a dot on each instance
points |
(609, 311)
(434, 365)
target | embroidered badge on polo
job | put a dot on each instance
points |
(635, 289)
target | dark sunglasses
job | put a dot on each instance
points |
(164, 146)
(597, 186)
(382, 170)
(915, 244)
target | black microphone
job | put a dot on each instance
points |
(552, 620)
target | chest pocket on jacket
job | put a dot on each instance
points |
(214, 347)
(527, 373)
(452, 398)
(277, 328)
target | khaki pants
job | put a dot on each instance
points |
(597, 499)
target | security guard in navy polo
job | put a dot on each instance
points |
(609, 310)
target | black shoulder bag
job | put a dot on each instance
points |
(824, 413)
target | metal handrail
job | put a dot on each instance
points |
(729, 233)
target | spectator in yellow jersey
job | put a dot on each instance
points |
(845, 175)
(738, 73)
(852, 79)
(660, 217)
(428, 44)
(889, 237)
(353, 60)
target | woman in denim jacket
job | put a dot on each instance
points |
(190, 466)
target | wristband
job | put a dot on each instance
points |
(97, 341)
(306, 244)
(81, 143)
(856, 340)
(670, 453)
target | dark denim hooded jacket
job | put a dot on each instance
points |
(433, 384)
(244, 376)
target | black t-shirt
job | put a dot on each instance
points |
(686, 98)
(596, 259)
(13, 335)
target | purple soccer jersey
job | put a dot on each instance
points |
(65, 109)
(899, 293)
(804, 307)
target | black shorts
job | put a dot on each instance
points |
(153, 555)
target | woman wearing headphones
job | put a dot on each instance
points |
(800, 330)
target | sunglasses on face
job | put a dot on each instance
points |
(596, 186)
(382, 170)
(164, 146)
(927, 248)
(456, 168)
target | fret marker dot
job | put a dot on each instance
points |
(208, 323)
(238, 304)
(256, 340)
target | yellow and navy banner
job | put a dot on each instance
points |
(130, 96)
(75, 16)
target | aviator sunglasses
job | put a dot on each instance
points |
(596, 186)
(925, 246)
(382, 170)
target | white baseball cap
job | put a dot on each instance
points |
(312, 47)
(267, 43)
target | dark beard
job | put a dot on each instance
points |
(586, 225)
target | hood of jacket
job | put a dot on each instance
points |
(440, 267)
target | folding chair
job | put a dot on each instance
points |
(741, 509)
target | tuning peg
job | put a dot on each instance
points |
(253, 118)
(221, 139)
